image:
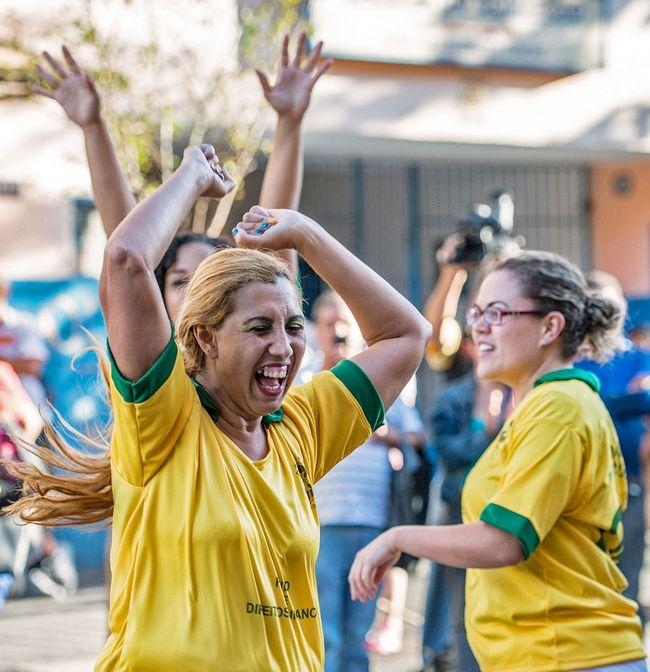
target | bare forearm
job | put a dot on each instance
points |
(113, 197)
(381, 311)
(394, 330)
(151, 226)
(283, 176)
(282, 182)
(443, 300)
(476, 545)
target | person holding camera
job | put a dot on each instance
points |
(465, 418)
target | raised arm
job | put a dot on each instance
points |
(136, 321)
(75, 91)
(289, 97)
(394, 330)
(441, 306)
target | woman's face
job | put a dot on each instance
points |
(511, 352)
(189, 256)
(259, 348)
(333, 329)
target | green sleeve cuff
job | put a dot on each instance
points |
(512, 523)
(146, 386)
(362, 389)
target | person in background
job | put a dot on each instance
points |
(30, 555)
(541, 528)
(353, 499)
(19, 418)
(73, 88)
(407, 442)
(465, 419)
(623, 378)
(23, 347)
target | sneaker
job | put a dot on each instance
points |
(385, 639)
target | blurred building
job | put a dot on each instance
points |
(432, 105)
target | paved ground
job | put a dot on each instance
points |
(41, 635)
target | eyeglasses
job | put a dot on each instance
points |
(494, 315)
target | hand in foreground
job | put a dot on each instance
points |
(291, 94)
(271, 229)
(370, 566)
(73, 89)
(216, 180)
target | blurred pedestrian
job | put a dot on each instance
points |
(622, 380)
(23, 347)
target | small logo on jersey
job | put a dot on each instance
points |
(302, 472)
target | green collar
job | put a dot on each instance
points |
(213, 411)
(570, 374)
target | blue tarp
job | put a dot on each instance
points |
(68, 315)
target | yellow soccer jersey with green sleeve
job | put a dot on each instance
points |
(213, 554)
(554, 478)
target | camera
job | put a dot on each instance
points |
(486, 231)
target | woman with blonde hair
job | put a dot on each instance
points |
(541, 529)
(212, 458)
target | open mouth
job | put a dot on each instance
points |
(271, 380)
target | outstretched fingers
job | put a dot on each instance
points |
(284, 53)
(264, 82)
(69, 58)
(313, 56)
(321, 70)
(300, 49)
(56, 66)
(46, 77)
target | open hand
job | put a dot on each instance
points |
(73, 89)
(370, 566)
(291, 93)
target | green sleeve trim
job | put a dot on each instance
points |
(146, 386)
(618, 517)
(362, 389)
(513, 523)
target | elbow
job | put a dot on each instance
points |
(121, 263)
(120, 258)
(509, 554)
(506, 552)
(422, 333)
(504, 549)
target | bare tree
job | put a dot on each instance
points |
(170, 74)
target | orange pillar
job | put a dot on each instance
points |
(620, 219)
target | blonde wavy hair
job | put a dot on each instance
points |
(80, 491)
(229, 271)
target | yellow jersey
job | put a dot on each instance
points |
(213, 554)
(554, 478)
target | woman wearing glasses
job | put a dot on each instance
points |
(542, 506)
